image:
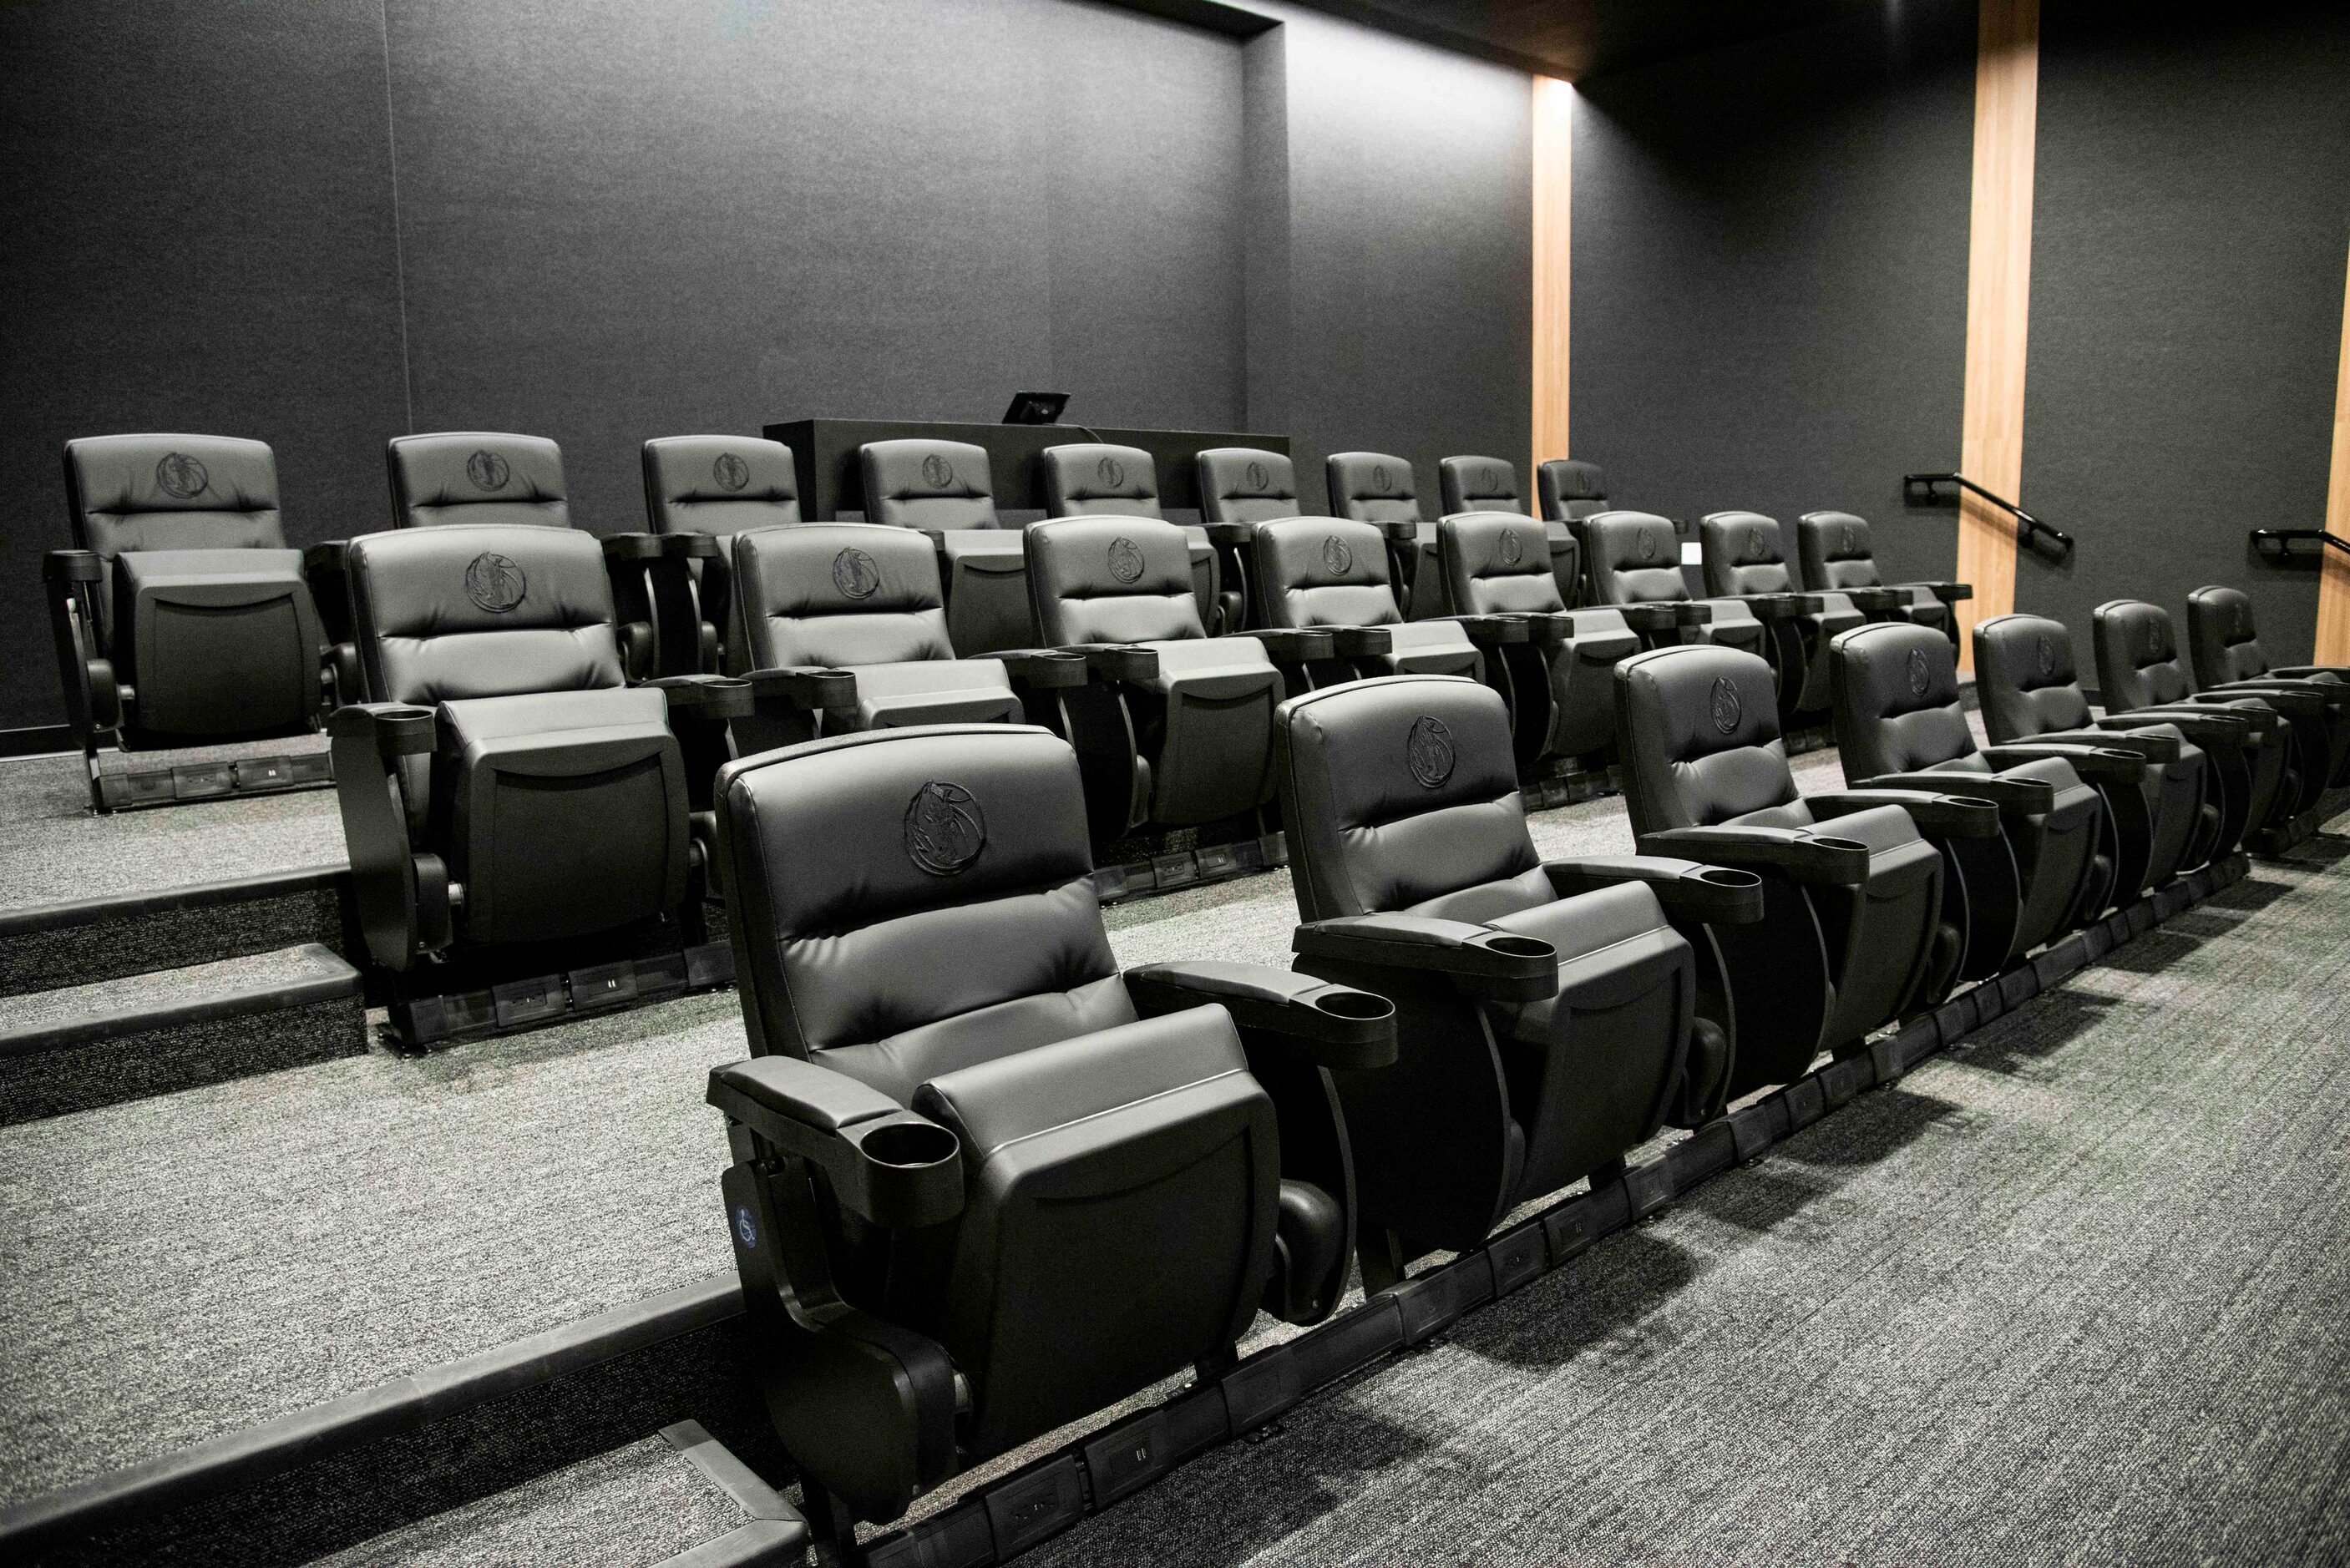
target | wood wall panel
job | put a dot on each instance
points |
(2333, 584)
(1998, 298)
(1554, 268)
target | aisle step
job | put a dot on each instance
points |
(80, 940)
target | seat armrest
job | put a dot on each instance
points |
(1953, 816)
(394, 729)
(1495, 630)
(1783, 607)
(2137, 740)
(1230, 535)
(1551, 630)
(1397, 532)
(1667, 615)
(72, 566)
(1803, 855)
(1605, 647)
(632, 548)
(1496, 966)
(805, 686)
(2031, 795)
(2102, 763)
(1716, 895)
(1292, 645)
(1362, 641)
(1044, 669)
(1330, 1025)
(2204, 726)
(705, 697)
(93, 701)
(1949, 593)
(1124, 661)
(1870, 600)
(690, 546)
(2291, 698)
(891, 1167)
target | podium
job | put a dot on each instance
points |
(831, 482)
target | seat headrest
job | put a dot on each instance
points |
(2221, 635)
(171, 492)
(1097, 478)
(1698, 737)
(1371, 769)
(475, 476)
(1635, 558)
(2139, 659)
(1323, 571)
(836, 568)
(1372, 487)
(1834, 549)
(1563, 482)
(1245, 485)
(1479, 484)
(1743, 554)
(925, 483)
(1111, 579)
(482, 610)
(1894, 688)
(718, 485)
(2025, 678)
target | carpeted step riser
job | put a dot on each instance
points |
(179, 1057)
(36, 961)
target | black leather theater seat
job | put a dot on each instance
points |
(1245, 485)
(180, 615)
(504, 783)
(477, 476)
(1745, 558)
(1857, 927)
(1325, 574)
(1636, 569)
(1378, 488)
(945, 489)
(2226, 647)
(1094, 479)
(1551, 1016)
(2142, 674)
(1834, 549)
(847, 630)
(1177, 729)
(700, 491)
(1471, 484)
(1900, 724)
(1572, 491)
(982, 1182)
(1551, 664)
(2173, 817)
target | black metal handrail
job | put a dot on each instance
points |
(2028, 528)
(2277, 543)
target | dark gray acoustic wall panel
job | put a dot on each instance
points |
(1771, 274)
(622, 221)
(1409, 250)
(2191, 211)
(196, 205)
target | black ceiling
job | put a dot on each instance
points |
(1575, 38)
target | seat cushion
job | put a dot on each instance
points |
(1430, 648)
(934, 692)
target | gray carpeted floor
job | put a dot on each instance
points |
(2079, 1293)
(166, 988)
(59, 850)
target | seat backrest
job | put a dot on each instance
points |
(840, 594)
(2026, 679)
(1323, 571)
(1570, 490)
(1496, 564)
(1697, 739)
(1479, 484)
(1635, 558)
(1244, 484)
(1833, 549)
(718, 485)
(2221, 637)
(1895, 697)
(1743, 555)
(1372, 487)
(2139, 662)
(928, 484)
(904, 903)
(486, 609)
(1402, 791)
(1111, 579)
(133, 493)
(1096, 479)
(475, 476)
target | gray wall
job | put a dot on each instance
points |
(323, 222)
(2192, 216)
(1771, 274)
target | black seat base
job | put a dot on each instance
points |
(2278, 837)
(489, 992)
(161, 782)
(1166, 859)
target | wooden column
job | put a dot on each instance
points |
(1999, 300)
(2333, 579)
(1554, 265)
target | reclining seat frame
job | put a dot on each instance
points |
(1379, 489)
(181, 619)
(1098, 479)
(946, 489)
(984, 1183)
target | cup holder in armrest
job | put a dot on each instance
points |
(910, 1172)
(1832, 842)
(1528, 948)
(1356, 1004)
(404, 728)
(909, 1145)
